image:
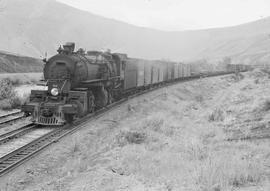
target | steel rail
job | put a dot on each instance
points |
(6, 137)
(6, 118)
(9, 114)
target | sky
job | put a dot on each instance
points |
(174, 15)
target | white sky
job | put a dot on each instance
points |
(177, 14)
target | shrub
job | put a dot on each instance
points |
(266, 105)
(16, 102)
(6, 89)
(11, 103)
(216, 115)
(238, 76)
(8, 97)
(199, 98)
(130, 138)
(15, 81)
(5, 104)
(135, 137)
(154, 123)
(256, 81)
(266, 71)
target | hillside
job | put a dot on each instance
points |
(33, 27)
(10, 63)
(173, 139)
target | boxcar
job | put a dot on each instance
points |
(160, 72)
(140, 72)
(180, 68)
(175, 71)
(155, 72)
(170, 70)
(147, 73)
(130, 80)
(165, 70)
(185, 71)
(188, 70)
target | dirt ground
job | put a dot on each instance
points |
(175, 138)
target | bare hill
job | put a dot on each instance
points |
(33, 27)
(10, 63)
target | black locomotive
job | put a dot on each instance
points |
(81, 82)
(78, 83)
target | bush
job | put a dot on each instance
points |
(256, 81)
(199, 98)
(8, 97)
(5, 104)
(16, 102)
(11, 103)
(128, 137)
(266, 71)
(237, 77)
(6, 89)
(217, 115)
(266, 105)
(135, 137)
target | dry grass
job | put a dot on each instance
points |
(22, 78)
(188, 161)
(223, 171)
(130, 137)
(237, 77)
(266, 71)
(266, 105)
(199, 98)
(161, 144)
(256, 81)
(217, 115)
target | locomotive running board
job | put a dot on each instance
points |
(93, 81)
(99, 80)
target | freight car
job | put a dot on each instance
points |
(80, 82)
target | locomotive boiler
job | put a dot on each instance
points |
(78, 83)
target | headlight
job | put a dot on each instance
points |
(54, 92)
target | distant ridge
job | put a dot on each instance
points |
(3, 52)
(10, 63)
(33, 27)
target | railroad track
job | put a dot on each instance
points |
(6, 137)
(10, 156)
(15, 158)
(11, 117)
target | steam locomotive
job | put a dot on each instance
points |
(80, 82)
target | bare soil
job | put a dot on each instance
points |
(175, 138)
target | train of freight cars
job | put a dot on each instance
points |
(81, 82)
